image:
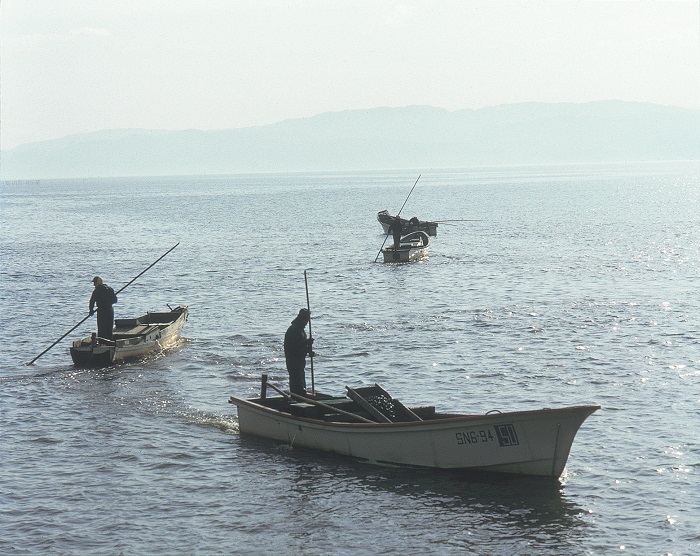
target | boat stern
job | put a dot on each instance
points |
(86, 353)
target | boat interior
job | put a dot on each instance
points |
(130, 328)
(371, 404)
(415, 239)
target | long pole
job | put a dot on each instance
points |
(147, 268)
(409, 194)
(397, 215)
(86, 318)
(308, 306)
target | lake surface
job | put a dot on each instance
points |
(549, 286)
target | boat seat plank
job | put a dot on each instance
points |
(326, 407)
(135, 332)
(302, 409)
(341, 403)
(137, 329)
(344, 418)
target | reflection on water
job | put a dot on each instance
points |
(506, 505)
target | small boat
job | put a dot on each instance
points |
(407, 225)
(368, 424)
(133, 338)
(412, 247)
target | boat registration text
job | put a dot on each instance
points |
(504, 434)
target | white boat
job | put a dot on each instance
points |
(412, 247)
(133, 338)
(368, 424)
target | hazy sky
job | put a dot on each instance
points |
(73, 66)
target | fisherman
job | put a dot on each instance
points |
(296, 347)
(104, 297)
(396, 228)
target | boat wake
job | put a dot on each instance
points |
(224, 423)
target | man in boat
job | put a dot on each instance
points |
(396, 229)
(296, 347)
(104, 297)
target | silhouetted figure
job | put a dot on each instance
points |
(104, 297)
(396, 229)
(296, 347)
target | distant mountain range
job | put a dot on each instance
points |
(416, 137)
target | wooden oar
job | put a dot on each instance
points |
(311, 355)
(86, 318)
(289, 395)
(279, 390)
(397, 215)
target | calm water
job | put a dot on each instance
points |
(569, 285)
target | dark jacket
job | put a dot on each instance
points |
(396, 228)
(103, 296)
(296, 344)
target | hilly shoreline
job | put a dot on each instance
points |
(378, 138)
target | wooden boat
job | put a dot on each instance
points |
(407, 225)
(133, 338)
(368, 424)
(412, 247)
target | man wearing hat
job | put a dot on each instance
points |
(104, 297)
(296, 347)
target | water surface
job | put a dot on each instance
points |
(567, 285)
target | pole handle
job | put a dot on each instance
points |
(311, 355)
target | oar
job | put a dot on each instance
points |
(86, 318)
(308, 306)
(397, 215)
(288, 397)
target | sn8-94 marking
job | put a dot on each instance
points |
(475, 436)
(505, 434)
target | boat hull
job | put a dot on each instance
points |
(526, 443)
(412, 247)
(404, 255)
(133, 339)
